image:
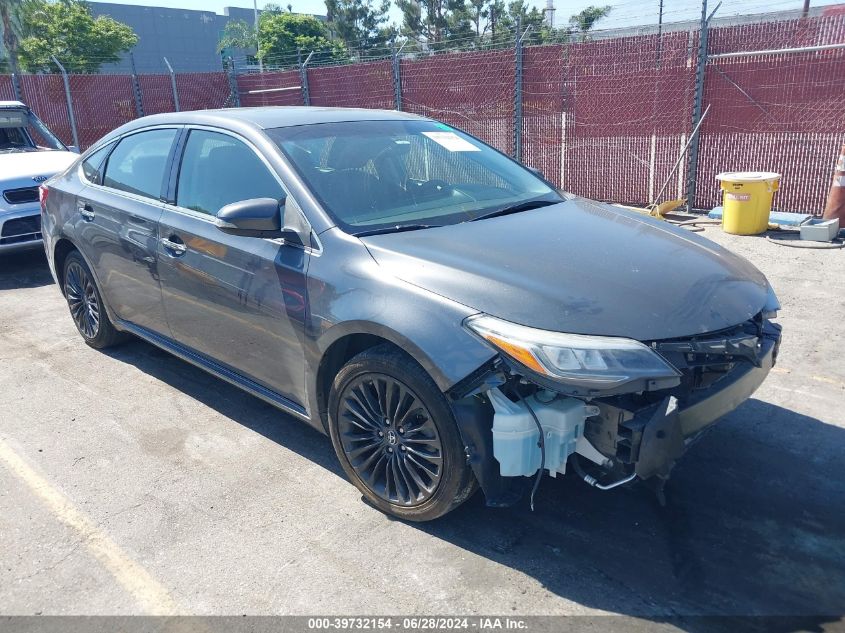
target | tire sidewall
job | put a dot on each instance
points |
(456, 475)
(104, 329)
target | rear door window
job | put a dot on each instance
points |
(138, 163)
(218, 169)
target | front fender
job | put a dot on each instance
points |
(361, 297)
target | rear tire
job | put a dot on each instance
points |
(396, 436)
(86, 304)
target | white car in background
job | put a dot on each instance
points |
(29, 154)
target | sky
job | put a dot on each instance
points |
(624, 13)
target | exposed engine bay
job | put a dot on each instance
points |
(517, 425)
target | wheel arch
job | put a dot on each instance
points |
(352, 339)
(61, 250)
(65, 246)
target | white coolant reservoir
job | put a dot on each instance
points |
(516, 437)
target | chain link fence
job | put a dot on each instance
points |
(606, 118)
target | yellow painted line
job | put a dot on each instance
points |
(830, 381)
(825, 379)
(151, 595)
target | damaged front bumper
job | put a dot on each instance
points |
(632, 435)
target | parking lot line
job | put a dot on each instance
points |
(149, 593)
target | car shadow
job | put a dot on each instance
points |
(234, 403)
(754, 524)
(24, 269)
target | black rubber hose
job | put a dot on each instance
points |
(542, 452)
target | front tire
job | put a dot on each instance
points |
(396, 437)
(86, 304)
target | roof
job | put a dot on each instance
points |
(11, 104)
(277, 116)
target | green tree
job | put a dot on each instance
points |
(280, 35)
(531, 19)
(237, 34)
(66, 29)
(479, 15)
(360, 24)
(584, 21)
(436, 21)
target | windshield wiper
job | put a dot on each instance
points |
(516, 208)
(397, 229)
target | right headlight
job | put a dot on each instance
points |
(588, 362)
(770, 310)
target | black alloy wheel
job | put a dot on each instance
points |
(86, 304)
(82, 300)
(395, 434)
(390, 440)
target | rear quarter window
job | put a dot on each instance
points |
(92, 166)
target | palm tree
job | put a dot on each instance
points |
(11, 22)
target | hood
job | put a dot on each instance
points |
(25, 165)
(581, 267)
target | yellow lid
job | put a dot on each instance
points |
(748, 176)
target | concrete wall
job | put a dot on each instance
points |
(188, 38)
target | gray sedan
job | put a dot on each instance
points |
(447, 316)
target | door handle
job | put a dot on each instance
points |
(174, 248)
(86, 211)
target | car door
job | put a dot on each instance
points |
(240, 301)
(118, 227)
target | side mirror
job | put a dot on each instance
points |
(258, 217)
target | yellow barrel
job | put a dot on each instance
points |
(747, 200)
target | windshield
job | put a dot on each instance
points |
(22, 131)
(381, 175)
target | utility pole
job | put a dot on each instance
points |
(659, 32)
(701, 63)
(806, 10)
(255, 14)
(550, 13)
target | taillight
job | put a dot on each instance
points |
(43, 192)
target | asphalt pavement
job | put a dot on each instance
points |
(132, 483)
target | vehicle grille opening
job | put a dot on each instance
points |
(21, 196)
(19, 230)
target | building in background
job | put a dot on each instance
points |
(186, 37)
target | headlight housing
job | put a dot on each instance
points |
(590, 363)
(770, 310)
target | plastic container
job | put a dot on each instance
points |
(516, 437)
(747, 200)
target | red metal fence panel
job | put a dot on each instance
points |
(367, 85)
(45, 94)
(156, 94)
(606, 119)
(100, 104)
(631, 110)
(203, 91)
(270, 89)
(544, 103)
(472, 91)
(7, 91)
(775, 112)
